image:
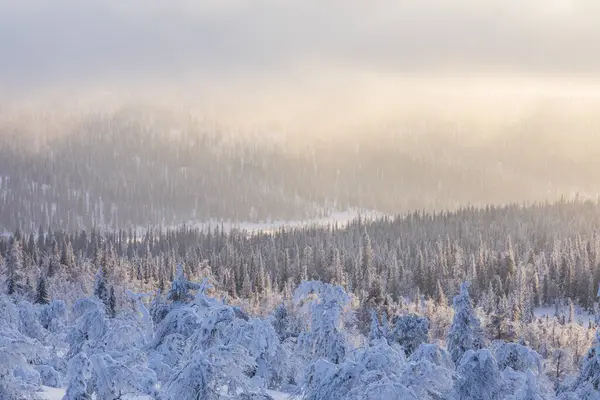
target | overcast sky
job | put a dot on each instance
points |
(316, 65)
(43, 40)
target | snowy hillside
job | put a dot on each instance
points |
(353, 311)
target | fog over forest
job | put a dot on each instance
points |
(391, 106)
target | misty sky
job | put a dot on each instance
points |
(46, 41)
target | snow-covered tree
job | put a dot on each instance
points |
(14, 267)
(465, 332)
(100, 286)
(326, 338)
(111, 304)
(180, 287)
(220, 373)
(518, 357)
(589, 379)
(376, 332)
(479, 377)
(80, 373)
(285, 323)
(372, 372)
(410, 331)
(41, 293)
(262, 344)
(112, 379)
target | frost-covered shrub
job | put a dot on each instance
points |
(383, 389)
(193, 381)
(430, 372)
(162, 370)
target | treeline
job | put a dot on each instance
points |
(516, 257)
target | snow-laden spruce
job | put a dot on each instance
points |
(326, 304)
(465, 332)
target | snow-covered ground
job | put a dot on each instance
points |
(339, 217)
(582, 317)
(57, 394)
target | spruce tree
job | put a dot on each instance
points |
(14, 267)
(111, 306)
(590, 371)
(376, 332)
(465, 332)
(100, 287)
(440, 296)
(41, 293)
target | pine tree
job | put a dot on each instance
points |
(41, 294)
(465, 332)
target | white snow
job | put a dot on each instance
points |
(582, 317)
(339, 217)
(53, 393)
(57, 394)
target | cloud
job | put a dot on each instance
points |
(72, 39)
(312, 65)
